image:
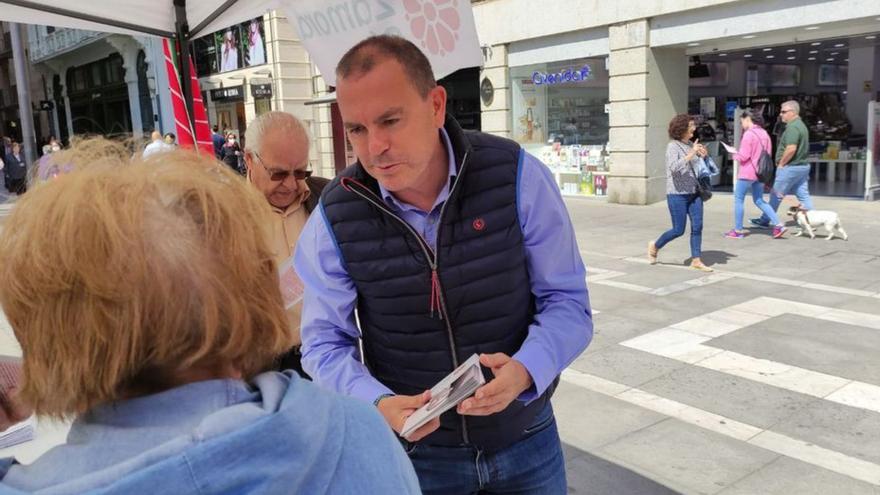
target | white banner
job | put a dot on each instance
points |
(443, 29)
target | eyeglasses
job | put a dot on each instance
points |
(785, 111)
(282, 175)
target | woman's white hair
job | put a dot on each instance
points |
(275, 121)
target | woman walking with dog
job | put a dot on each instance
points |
(682, 189)
(755, 141)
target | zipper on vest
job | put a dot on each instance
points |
(438, 301)
(440, 298)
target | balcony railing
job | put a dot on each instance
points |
(61, 41)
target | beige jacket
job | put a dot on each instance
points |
(285, 227)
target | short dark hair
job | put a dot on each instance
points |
(216, 128)
(678, 126)
(171, 135)
(757, 118)
(364, 56)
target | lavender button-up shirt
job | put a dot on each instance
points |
(562, 326)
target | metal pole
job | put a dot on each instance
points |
(182, 26)
(22, 82)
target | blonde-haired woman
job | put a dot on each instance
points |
(147, 305)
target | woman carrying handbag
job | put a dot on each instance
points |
(683, 189)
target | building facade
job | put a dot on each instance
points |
(589, 86)
(103, 84)
(10, 117)
(258, 66)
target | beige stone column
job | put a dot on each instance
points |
(495, 118)
(647, 87)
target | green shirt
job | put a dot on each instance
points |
(795, 133)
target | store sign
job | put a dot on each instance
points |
(487, 92)
(566, 76)
(261, 90)
(234, 93)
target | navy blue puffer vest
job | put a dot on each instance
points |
(481, 275)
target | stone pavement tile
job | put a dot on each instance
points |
(624, 365)
(609, 329)
(828, 347)
(736, 398)
(848, 430)
(588, 420)
(799, 294)
(870, 305)
(608, 299)
(786, 476)
(692, 459)
(591, 475)
(605, 263)
(846, 274)
(658, 276)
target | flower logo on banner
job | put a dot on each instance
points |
(435, 23)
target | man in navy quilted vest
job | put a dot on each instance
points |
(435, 245)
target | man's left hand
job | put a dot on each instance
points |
(511, 379)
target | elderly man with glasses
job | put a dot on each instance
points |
(277, 161)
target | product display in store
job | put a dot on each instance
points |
(579, 170)
(559, 115)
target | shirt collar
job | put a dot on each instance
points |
(444, 193)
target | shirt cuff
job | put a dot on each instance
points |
(539, 369)
(370, 390)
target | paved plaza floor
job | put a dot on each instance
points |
(760, 378)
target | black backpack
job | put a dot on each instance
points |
(765, 168)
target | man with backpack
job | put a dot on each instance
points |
(792, 168)
(755, 170)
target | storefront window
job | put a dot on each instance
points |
(559, 116)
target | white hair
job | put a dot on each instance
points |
(272, 121)
(793, 106)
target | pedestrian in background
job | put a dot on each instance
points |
(792, 167)
(15, 170)
(157, 144)
(217, 140)
(231, 153)
(755, 141)
(682, 196)
(171, 139)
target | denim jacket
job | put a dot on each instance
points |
(279, 435)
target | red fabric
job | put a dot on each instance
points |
(181, 116)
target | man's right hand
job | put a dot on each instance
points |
(397, 408)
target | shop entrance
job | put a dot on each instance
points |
(826, 77)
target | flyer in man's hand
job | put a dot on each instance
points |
(456, 387)
(10, 378)
(292, 288)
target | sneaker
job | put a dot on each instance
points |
(778, 231)
(732, 234)
(757, 222)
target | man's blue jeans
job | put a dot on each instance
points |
(682, 206)
(532, 466)
(743, 186)
(790, 179)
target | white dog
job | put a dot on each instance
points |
(808, 220)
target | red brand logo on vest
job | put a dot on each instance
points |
(479, 224)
